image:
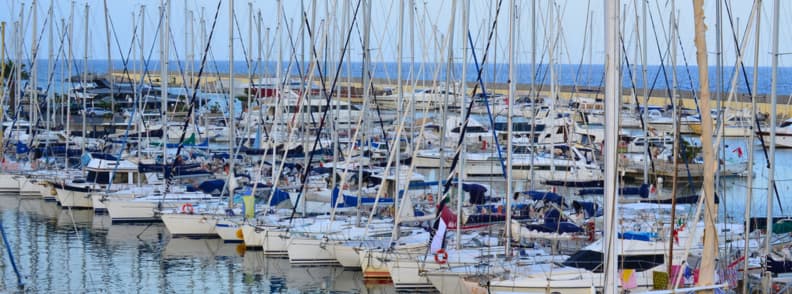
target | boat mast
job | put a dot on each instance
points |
(707, 269)
(33, 113)
(460, 174)
(366, 96)
(645, 87)
(509, 113)
(70, 91)
(109, 59)
(751, 139)
(676, 143)
(397, 141)
(50, 65)
(85, 84)
(138, 89)
(231, 105)
(773, 125)
(279, 89)
(164, 51)
(612, 100)
(534, 94)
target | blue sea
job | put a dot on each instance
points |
(658, 77)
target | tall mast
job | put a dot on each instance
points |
(645, 86)
(142, 73)
(69, 65)
(509, 144)
(250, 62)
(33, 115)
(400, 86)
(279, 92)
(612, 101)
(677, 144)
(109, 58)
(707, 269)
(164, 76)
(231, 104)
(534, 94)
(461, 173)
(85, 84)
(50, 63)
(751, 139)
(773, 124)
(366, 82)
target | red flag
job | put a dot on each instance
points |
(739, 152)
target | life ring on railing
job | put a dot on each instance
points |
(591, 230)
(500, 209)
(430, 197)
(441, 256)
(187, 208)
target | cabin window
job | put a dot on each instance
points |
(98, 177)
(120, 178)
(592, 260)
(543, 167)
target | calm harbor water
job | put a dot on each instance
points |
(60, 250)
(63, 251)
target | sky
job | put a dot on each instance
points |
(578, 31)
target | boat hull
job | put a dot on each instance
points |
(190, 225)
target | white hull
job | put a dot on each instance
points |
(27, 187)
(275, 243)
(73, 199)
(782, 141)
(190, 225)
(304, 251)
(405, 273)
(8, 185)
(270, 241)
(251, 238)
(448, 282)
(347, 256)
(47, 191)
(127, 210)
(228, 230)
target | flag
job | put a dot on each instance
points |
(628, 280)
(248, 205)
(739, 152)
(439, 237)
(189, 141)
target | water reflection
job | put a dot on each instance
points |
(61, 250)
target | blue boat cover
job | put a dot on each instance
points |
(544, 195)
(640, 236)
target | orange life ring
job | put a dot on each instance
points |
(500, 209)
(441, 256)
(430, 197)
(187, 208)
